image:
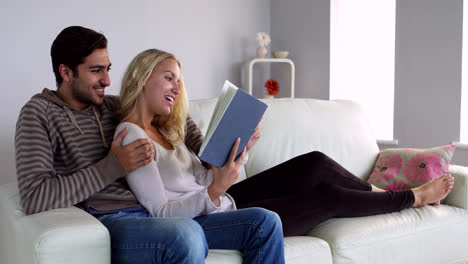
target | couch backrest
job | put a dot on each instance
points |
(292, 127)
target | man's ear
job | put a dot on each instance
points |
(65, 72)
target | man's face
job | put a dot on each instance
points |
(90, 79)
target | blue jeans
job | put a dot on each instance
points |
(136, 237)
(256, 232)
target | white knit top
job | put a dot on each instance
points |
(175, 183)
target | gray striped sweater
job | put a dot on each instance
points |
(63, 157)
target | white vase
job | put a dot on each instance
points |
(261, 52)
(268, 96)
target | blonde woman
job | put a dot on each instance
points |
(175, 184)
(154, 106)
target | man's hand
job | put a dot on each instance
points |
(134, 155)
(255, 136)
(224, 177)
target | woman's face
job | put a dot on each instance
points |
(162, 87)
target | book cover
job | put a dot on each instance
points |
(236, 114)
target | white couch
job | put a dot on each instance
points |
(432, 234)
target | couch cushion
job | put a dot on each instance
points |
(302, 249)
(293, 127)
(297, 250)
(410, 236)
(405, 168)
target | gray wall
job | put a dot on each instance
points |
(211, 38)
(428, 73)
(427, 64)
(303, 28)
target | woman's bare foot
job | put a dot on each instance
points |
(377, 189)
(433, 191)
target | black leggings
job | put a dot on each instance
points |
(312, 188)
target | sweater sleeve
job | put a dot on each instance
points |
(148, 187)
(193, 137)
(40, 187)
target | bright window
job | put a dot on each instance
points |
(362, 58)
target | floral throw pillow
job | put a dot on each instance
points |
(402, 169)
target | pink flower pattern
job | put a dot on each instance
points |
(419, 167)
(424, 167)
(449, 148)
(386, 168)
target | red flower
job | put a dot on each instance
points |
(272, 87)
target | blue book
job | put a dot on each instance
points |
(236, 115)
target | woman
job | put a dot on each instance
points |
(154, 106)
(317, 189)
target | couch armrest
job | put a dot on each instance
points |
(458, 197)
(67, 235)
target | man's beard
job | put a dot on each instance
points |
(83, 96)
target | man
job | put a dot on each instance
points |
(65, 156)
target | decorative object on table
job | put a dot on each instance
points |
(263, 40)
(404, 168)
(280, 54)
(290, 71)
(272, 88)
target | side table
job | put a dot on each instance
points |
(251, 63)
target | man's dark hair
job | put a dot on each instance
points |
(72, 46)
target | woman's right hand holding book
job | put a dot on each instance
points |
(224, 177)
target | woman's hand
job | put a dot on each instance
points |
(224, 177)
(255, 136)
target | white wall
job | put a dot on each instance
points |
(211, 38)
(427, 64)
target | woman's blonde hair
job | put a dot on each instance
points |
(135, 77)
